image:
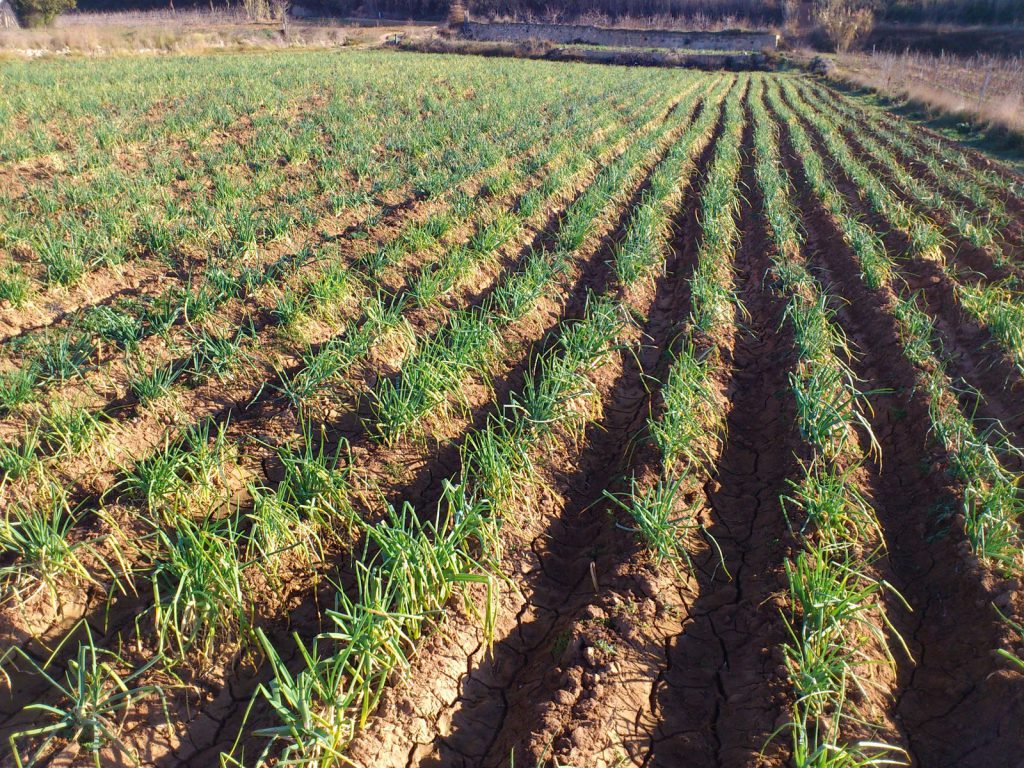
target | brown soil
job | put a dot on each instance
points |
(425, 487)
(977, 160)
(53, 305)
(961, 251)
(235, 401)
(571, 680)
(137, 430)
(1015, 236)
(971, 353)
(545, 691)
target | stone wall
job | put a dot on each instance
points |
(569, 34)
(627, 57)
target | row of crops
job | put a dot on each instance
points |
(296, 362)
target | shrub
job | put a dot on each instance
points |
(40, 13)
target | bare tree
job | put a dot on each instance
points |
(457, 13)
(844, 22)
(256, 10)
(279, 10)
(791, 14)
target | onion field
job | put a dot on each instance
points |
(379, 409)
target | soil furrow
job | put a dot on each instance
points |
(720, 697)
(962, 251)
(916, 165)
(248, 415)
(973, 355)
(423, 488)
(108, 370)
(614, 644)
(556, 577)
(216, 398)
(249, 419)
(51, 307)
(506, 707)
(972, 157)
(951, 631)
(352, 232)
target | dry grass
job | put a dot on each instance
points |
(192, 17)
(192, 31)
(983, 89)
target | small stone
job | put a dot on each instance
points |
(573, 682)
(564, 698)
(590, 656)
(626, 628)
(648, 587)
(593, 613)
(554, 676)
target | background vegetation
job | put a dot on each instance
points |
(37, 13)
(752, 11)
